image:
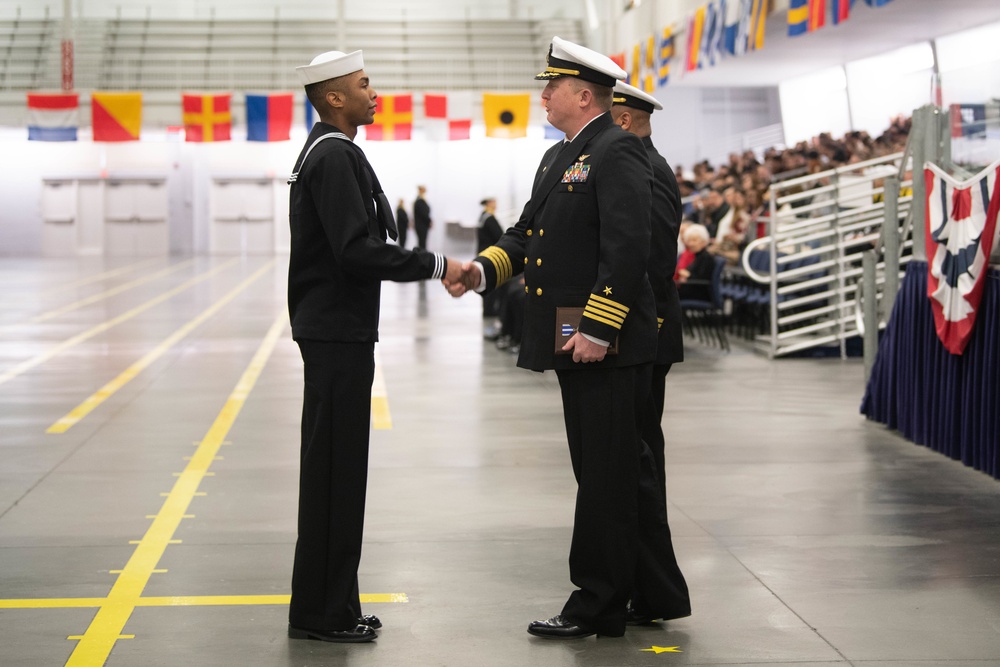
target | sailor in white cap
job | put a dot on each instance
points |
(340, 220)
(632, 112)
(582, 243)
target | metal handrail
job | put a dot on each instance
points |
(816, 249)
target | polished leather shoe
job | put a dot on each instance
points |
(635, 617)
(361, 633)
(371, 620)
(557, 627)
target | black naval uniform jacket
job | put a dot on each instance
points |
(339, 255)
(665, 223)
(583, 241)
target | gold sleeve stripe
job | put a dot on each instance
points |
(608, 302)
(588, 314)
(605, 312)
(659, 323)
(501, 263)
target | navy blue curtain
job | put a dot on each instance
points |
(950, 403)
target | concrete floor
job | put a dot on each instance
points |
(158, 528)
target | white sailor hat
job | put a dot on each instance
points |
(330, 65)
(568, 59)
(630, 96)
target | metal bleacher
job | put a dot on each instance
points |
(161, 57)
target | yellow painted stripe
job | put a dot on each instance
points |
(93, 331)
(52, 603)
(185, 601)
(227, 600)
(94, 298)
(104, 275)
(381, 418)
(110, 619)
(70, 419)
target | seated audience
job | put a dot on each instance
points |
(695, 280)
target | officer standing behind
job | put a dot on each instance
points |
(489, 232)
(632, 111)
(402, 222)
(582, 242)
(421, 217)
(339, 256)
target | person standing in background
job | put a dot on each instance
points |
(488, 233)
(632, 111)
(402, 222)
(421, 217)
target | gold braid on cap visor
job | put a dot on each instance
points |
(553, 72)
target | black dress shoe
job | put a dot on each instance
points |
(371, 620)
(635, 617)
(361, 633)
(557, 627)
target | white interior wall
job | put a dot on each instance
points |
(458, 175)
(885, 86)
(814, 104)
(324, 9)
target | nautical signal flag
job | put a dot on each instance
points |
(841, 10)
(393, 118)
(269, 117)
(666, 55)
(116, 116)
(805, 16)
(207, 117)
(633, 76)
(449, 117)
(696, 26)
(506, 114)
(310, 114)
(759, 9)
(53, 116)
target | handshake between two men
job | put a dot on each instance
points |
(464, 277)
(461, 277)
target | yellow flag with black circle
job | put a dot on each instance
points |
(506, 114)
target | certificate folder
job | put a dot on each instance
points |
(567, 324)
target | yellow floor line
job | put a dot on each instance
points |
(96, 643)
(71, 418)
(94, 298)
(381, 417)
(28, 364)
(185, 601)
(104, 275)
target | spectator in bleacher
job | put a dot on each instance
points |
(695, 281)
(421, 217)
(687, 189)
(712, 211)
(732, 235)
